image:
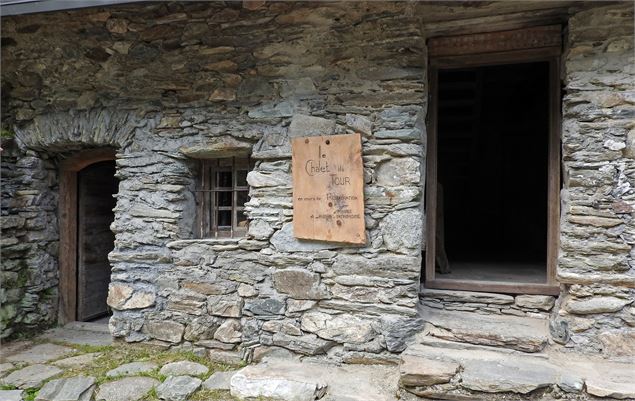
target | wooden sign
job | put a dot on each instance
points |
(328, 188)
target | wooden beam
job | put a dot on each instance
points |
(496, 42)
(494, 286)
(82, 159)
(431, 177)
(509, 57)
(553, 181)
(68, 246)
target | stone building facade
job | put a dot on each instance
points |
(168, 84)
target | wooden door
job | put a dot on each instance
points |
(96, 185)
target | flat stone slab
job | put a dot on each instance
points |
(31, 376)
(89, 326)
(512, 375)
(133, 368)
(77, 361)
(13, 347)
(78, 336)
(307, 379)
(468, 296)
(226, 357)
(126, 389)
(616, 384)
(280, 382)
(621, 391)
(184, 368)
(79, 388)
(5, 367)
(178, 388)
(420, 371)
(490, 371)
(11, 395)
(519, 333)
(219, 381)
(40, 353)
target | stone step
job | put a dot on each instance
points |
(477, 372)
(440, 343)
(457, 371)
(519, 333)
(294, 380)
(80, 333)
(100, 327)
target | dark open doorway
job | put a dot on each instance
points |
(493, 162)
(493, 141)
(96, 185)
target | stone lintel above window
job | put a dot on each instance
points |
(217, 147)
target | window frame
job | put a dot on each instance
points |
(207, 204)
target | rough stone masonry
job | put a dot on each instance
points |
(166, 84)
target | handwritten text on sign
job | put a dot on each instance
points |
(328, 188)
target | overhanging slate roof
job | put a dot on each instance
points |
(16, 7)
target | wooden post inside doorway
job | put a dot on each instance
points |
(67, 208)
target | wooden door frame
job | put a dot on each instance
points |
(472, 55)
(67, 217)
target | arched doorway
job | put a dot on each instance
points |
(86, 202)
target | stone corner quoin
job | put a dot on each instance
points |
(169, 85)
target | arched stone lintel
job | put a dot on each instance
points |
(74, 130)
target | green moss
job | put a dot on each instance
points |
(113, 356)
(49, 293)
(7, 387)
(116, 355)
(86, 348)
(23, 277)
(30, 394)
(5, 133)
(152, 395)
(211, 395)
(31, 333)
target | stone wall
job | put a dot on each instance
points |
(534, 306)
(28, 296)
(597, 259)
(165, 83)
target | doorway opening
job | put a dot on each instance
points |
(493, 167)
(87, 190)
(493, 137)
(96, 185)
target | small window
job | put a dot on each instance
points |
(221, 196)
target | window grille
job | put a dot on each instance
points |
(221, 196)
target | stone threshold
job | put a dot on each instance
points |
(520, 333)
(440, 369)
(522, 305)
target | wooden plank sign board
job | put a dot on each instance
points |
(328, 188)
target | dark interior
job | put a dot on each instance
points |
(493, 129)
(96, 185)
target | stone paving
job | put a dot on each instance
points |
(44, 369)
(76, 369)
(79, 362)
